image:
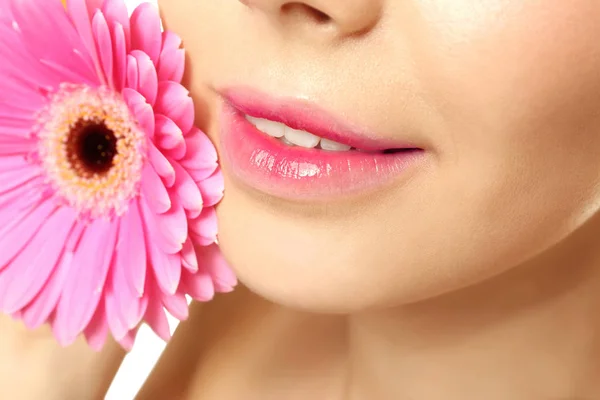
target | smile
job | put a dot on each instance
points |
(295, 137)
(296, 151)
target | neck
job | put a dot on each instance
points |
(531, 334)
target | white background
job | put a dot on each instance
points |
(138, 364)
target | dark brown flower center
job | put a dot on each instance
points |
(92, 147)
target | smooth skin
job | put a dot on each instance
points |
(477, 279)
(502, 94)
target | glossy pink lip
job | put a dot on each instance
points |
(296, 173)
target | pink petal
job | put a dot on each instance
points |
(23, 75)
(29, 271)
(166, 266)
(23, 102)
(116, 324)
(20, 125)
(120, 55)
(105, 46)
(170, 137)
(16, 108)
(18, 202)
(131, 249)
(212, 188)
(16, 117)
(155, 315)
(36, 79)
(129, 270)
(174, 102)
(147, 80)
(172, 225)
(84, 286)
(171, 65)
(142, 111)
(5, 12)
(133, 80)
(115, 12)
(92, 6)
(146, 32)
(37, 313)
(167, 270)
(198, 285)
(96, 332)
(81, 12)
(204, 228)
(188, 256)
(161, 165)
(129, 339)
(211, 258)
(74, 76)
(9, 163)
(201, 152)
(154, 191)
(176, 305)
(15, 235)
(170, 41)
(200, 174)
(201, 240)
(164, 243)
(9, 180)
(135, 311)
(20, 89)
(130, 304)
(16, 120)
(124, 299)
(187, 190)
(39, 34)
(20, 148)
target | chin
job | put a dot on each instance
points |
(327, 280)
(293, 283)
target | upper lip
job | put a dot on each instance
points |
(304, 115)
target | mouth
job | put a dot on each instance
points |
(294, 150)
(297, 137)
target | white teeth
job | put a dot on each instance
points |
(274, 129)
(287, 142)
(294, 137)
(330, 145)
(301, 138)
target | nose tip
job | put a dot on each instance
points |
(348, 17)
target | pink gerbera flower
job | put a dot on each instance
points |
(107, 190)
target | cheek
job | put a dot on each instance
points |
(509, 66)
(518, 86)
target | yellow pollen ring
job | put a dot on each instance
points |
(93, 194)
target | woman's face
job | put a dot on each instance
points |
(502, 96)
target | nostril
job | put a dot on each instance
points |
(296, 8)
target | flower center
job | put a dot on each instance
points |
(92, 149)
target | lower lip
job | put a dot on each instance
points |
(297, 173)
